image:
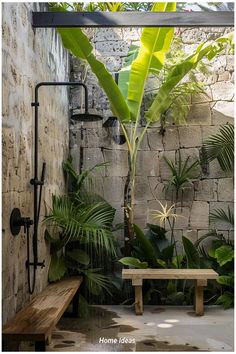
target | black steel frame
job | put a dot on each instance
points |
(133, 19)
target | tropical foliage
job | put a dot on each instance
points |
(80, 230)
(127, 97)
(221, 147)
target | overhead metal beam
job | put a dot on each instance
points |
(133, 19)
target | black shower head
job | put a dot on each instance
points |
(86, 117)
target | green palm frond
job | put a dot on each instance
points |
(221, 147)
(222, 215)
(96, 282)
(84, 223)
(182, 172)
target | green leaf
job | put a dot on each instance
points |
(161, 263)
(155, 42)
(124, 73)
(159, 231)
(78, 44)
(177, 260)
(224, 254)
(191, 252)
(146, 246)
(221, 215)
(221, 147)
(226, 280)
(227, 299)
(133, 262)
(79, 256)
(167, 253)
(163, 98)
(57, 268)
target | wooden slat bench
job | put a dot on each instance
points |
(36, 321)
(199, 275)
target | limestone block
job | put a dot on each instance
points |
(140, 214)
(147, 163)
(142, 189)
(144, 144)
(205, 190)
(131, 34)
(223, 90)
(199, 114)
(118, 48)
(208, 131)
(165, 171)
(225, 190)
(215, 170)
(113, 64)
(182, 220)
(190, 136)
(93, 156)
(155, 139)
(230, 62)
(218, 64)
(113, 188)
(221, 225)
(192, 235)
(202, 97)
(171, 138)
(118, 162)
(224, 76)
(157, 188)
(199, 216)
(222, 112)
(9, 308)
(108, 34)
(192, 36)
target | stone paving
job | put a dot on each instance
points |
(117, 328)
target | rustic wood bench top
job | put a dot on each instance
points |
(36, 321)
(199, 275)
(149, 273)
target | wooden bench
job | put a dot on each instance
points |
(36, 321)
(199, 275)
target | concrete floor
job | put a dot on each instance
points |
(117, 328)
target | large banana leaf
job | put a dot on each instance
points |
(155, 42)
(163, 100)
(78, 44)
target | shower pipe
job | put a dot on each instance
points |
(35, 181)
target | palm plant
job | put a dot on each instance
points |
(221, 147)
(81, 225)
(182, 173)
(126, 97)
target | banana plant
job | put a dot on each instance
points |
(126, 98)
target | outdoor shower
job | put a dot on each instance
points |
(16, 220)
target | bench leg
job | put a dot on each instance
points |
(75, 304)
(199, 306)
(138, 300)
(40, 346)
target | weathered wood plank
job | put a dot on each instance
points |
(138, 300)
(199, 306)
(169, 274)
(36, 321)
(133, 19)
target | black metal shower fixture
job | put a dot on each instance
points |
(86, 116)
(16, 220)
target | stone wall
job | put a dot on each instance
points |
(208, 112)
(29, 56)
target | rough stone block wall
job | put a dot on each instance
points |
(29, 57)
(207, 113)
